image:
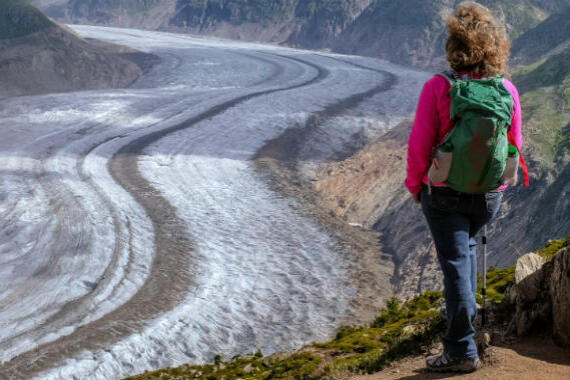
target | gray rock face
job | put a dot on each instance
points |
(531, 294)
(542, 295)
(55, 60)
(560, 293)
(528, 277)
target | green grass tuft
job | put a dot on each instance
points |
(498, 280)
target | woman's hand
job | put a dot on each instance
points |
(416, 197)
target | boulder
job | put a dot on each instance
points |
(531, 294)
(542, 295)
(528, 277)
(560, 294)
(535, 315)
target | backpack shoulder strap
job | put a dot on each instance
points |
(450, 76)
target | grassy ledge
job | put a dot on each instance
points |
(400, 329)
(552, 247)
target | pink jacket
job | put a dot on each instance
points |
(432, 115)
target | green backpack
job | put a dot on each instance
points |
(477, 144)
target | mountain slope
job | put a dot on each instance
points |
(410, 33)
(310, 23)
(38, 56)
(548, 37)
(415, 34)
(323, 21)
(18, 19)
(370, 185)
(149, 14)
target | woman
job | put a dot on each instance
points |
(477, 46)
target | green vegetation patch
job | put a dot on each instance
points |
(544, 73)
(400, 329)
(18, 19)
(498, 280)
(552, 247)
(252, 367)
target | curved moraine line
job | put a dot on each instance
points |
(286, 148)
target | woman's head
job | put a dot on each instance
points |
(476, 41)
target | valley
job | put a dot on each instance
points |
(137, 231)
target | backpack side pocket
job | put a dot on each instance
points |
(510, 175)
(440, 166)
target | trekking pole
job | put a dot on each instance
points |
(484, 279)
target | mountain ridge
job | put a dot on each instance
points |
(413, 35)
(37, 56)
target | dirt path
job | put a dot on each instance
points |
(528, 359)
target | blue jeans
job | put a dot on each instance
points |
(454, 219)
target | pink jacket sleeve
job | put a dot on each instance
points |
(516, 121)
(423, 137)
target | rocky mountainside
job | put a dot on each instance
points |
(367, 187)
(411, 33)
(549, 37)
(39, 56)
(414, 33)
(313, 23)
(148, 14)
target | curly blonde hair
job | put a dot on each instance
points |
(476, 42)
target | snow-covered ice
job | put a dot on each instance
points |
(77, 245)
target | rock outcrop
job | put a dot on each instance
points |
(541, 294)
(528, 276)
(560, 293)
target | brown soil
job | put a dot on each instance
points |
(535, 358)
(367, 189)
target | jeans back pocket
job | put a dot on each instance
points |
(444, 199)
